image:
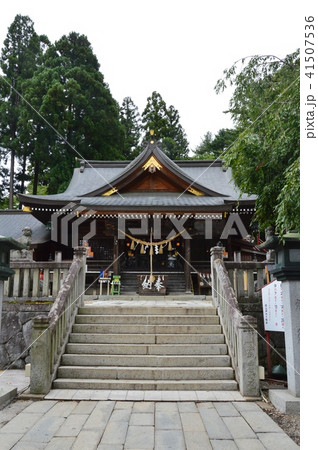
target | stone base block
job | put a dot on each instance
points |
(284, 401)
(7, 394)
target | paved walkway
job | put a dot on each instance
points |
(114, 425)
(157, 396)
(14, 378)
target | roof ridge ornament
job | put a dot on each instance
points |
(194, 191)
(152, 165)
(110, 192)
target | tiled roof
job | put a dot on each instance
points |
(12, 223)
(94, 178)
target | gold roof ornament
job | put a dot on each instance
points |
(194, 191)
(152, 165)
(110, 192)
(152, 132)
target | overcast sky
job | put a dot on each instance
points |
(178, 48)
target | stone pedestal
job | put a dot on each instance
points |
(1, 299)
(284, 401)
(291, 299)
(40, 381)
(248, 357)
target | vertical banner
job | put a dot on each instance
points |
(273, 307)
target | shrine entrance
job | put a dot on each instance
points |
(137, 256)
(160, 249)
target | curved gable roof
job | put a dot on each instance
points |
(136, 167)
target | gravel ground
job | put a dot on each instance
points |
(290, 423)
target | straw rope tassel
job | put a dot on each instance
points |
(152, 277)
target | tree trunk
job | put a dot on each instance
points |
(23, 174)
(11, 179)
(36, 178)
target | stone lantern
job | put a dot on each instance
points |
(287, 270)
(287, 258)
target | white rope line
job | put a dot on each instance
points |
(239, 137)
(62, 313)
(240, 314)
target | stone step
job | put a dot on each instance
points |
(155, 345)
(142, 349)
(146, 373)
(92, 338)
(145, 360)
(146, 385)
(148, 320)
(180, 309)
(146, 329)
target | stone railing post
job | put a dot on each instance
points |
(40, 379)
(248, 356)
(80, 253)
(216, 253)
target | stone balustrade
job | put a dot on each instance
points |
(35, 280)
(50, 333)
(247, 279)
(240, 331)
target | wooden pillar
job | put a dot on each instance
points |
(115, 258)
(187, 267)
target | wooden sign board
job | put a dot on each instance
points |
(157, 287)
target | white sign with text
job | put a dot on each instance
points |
(273, 307)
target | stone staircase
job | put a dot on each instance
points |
(138, 347)
(175, 283)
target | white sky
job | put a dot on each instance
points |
(178, 48)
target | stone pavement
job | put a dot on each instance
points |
(14, 378)
(138, 425)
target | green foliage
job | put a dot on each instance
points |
(265, 107)
(130, 120)
(288, 205)
(213, 147)
(165, 121)
(77, 113)
(21, 55)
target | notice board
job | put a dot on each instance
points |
(273, 307)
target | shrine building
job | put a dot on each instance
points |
(150, 215)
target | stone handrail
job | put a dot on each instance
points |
(247, 278)
(27, 284)
(50, 334)
(240, 331)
